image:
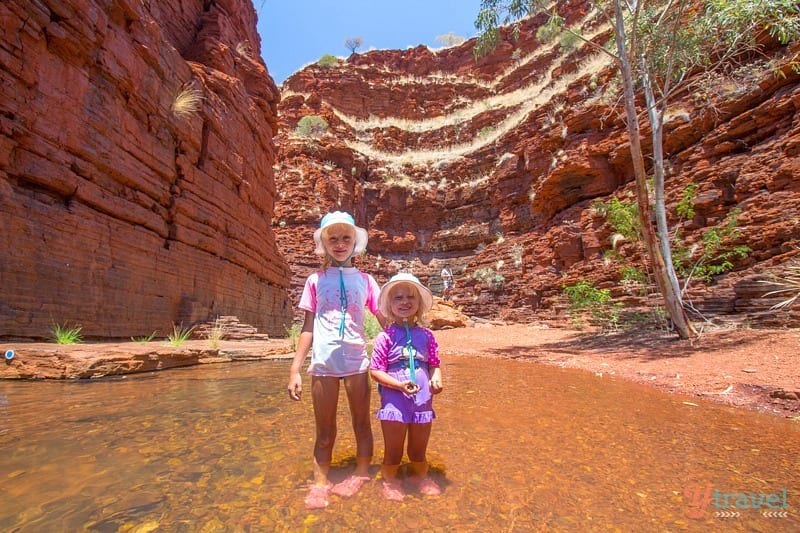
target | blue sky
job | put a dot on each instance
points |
(295, 33)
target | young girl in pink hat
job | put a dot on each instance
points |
(405, 363)
(334, 300)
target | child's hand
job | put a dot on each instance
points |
(409, 387)
(436, 385)
(295, 387)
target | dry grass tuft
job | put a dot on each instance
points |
(187, 103)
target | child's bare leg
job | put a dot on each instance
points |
(418, 437)
(358, 396)
(325, 395)
(358, 393)
(394, 436)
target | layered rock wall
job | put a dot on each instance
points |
(495, 166)
(136, 183)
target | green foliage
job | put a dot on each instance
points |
(489, 20)
(327, 61)
(743, 19)
(311, 126)
(144, 340)
(622, 215)
(293, 332)
(685, 207)
(179, 335)
(633, 275)
(485, 132)
(712, 256)
(635, 280)
(569, 40)
(551, 30)
(371, 326)
(584, 297)
(64, 334)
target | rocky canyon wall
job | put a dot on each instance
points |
(136, 154)
(496, 167)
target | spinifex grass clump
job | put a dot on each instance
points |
(216, 333)
(67, 335)
(179, 335)
(144, 340)
(788, 285)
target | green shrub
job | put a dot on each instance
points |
(371, 326)
(311, 126)
(685, 208)
(623, 216)
(568, 40)
(550, 30)
(712, 256)
(584, 297)
(293, 332)
(633, 275)
(327, 61)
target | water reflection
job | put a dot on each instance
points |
(517, 447)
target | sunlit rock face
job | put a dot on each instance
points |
(136, 155)
(494, 166)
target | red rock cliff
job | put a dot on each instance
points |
(494, 166)
(136, 153)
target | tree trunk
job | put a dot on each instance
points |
(662, 227)
(672, 300)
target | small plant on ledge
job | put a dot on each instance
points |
(66, 335)
(179, 335)
(144, 340)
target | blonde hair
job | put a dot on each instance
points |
(419, 316)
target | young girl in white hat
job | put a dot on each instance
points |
(405, 363)
(334, 300)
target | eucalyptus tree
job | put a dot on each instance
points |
(658, 44)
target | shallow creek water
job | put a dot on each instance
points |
(516, 446)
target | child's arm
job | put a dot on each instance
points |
(433, 363)
(386, 380)
(303, 345)
(436, 380)
(380, 362)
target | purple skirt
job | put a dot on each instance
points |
(399, 406)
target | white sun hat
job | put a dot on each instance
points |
(340, 217)
(425, 294)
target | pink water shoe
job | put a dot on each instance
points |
(393, 490)
(317, 497)
(349, 486)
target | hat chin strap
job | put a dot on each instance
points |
(342, 290)
(409, 349)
